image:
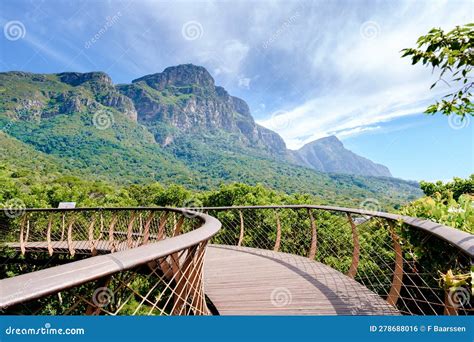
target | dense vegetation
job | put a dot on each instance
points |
(51, 154)
(81, 125)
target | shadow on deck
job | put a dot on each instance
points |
(249, 281)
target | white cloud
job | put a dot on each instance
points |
(345, 114)
(366, 82)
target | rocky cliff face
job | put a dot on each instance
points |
(329, 155)
(185, 97)
(37, 96)
(183, 109)
(102, 90)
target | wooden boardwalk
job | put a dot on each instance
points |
(249, 281)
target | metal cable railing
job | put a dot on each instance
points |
(152, 262)
(400, 258)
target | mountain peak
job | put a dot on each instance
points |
(331, 139)
(328, 154)
(182, 75)
(78, 78)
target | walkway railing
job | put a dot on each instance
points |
(405, 260)
(155, 265)
(152, 258)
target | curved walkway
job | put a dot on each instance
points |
(249, 281)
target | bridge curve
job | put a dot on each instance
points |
(156, 261)
(274, 283)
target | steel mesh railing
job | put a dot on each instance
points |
(146, 261)
(151, 264)
(379, 252)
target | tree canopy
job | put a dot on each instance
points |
(452, 54)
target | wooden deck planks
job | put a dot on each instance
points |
(248, 281)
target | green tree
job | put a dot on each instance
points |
(457, 187)
(452, 53)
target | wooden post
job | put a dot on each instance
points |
(397, 280)
(146, 233)
(161, 228)
(241, 236)
(101, 226)
(356, 250)
(27, 235)
(63, 226)
(276, 248)
(92, 242)
(314, 236)
(111, 233)
(48, 236)
(22, 239)
(178, 225)
(130, 230)
(69, 238)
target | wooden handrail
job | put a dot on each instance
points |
(463, 241)
(41, 283)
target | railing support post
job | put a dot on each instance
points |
(146, 232)
(69, 238)
(130, 231)
(111, 233)
(63, 219)
(397, 280)
(161, 228)
(276, 248)
(314, 236)
(356, 250)
(241, 236)
(22, 238)
(92, 242)
(48, 236)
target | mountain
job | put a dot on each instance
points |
(184, 99)
(173, 127)
(329, 155)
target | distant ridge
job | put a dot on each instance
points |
(329, 155)
(176, 126)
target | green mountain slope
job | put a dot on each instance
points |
(175, 127)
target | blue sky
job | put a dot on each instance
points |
(307, 68)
